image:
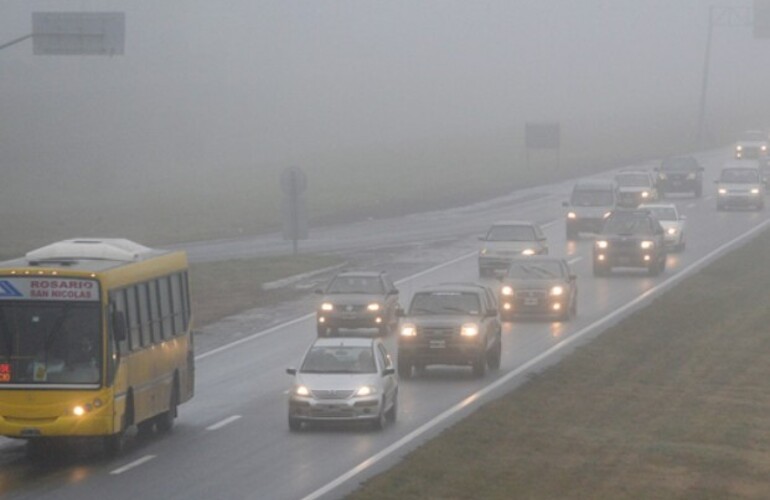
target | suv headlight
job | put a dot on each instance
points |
(671, 231)
(571, 215)
(469, 330)
(557, 291)
(722, 191)
(647, 244)
(373, 306)
(408, 330)
(739, 148)
(763, 147)
(327, 306)
(366, 390)
(507, 290)
(754, 190)
(601, 244)
(528, 251)
(301, 390)
(645, 194)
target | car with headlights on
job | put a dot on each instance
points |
(357, 300)
(740, 185)
(539, 287)
(673, 224)
(344, 379)
(635, 187)
(753, 145)
(450, 324)
(630, 239)
(590, 203)
(505, 241)
(680, 174)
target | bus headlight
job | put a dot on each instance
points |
(79, 411)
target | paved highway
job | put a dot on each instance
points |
(232, 440)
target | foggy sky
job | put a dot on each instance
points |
(215, 86)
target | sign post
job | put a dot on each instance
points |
(293, 185)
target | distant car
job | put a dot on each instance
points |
(344, 379)
(681, 174)
(753, 145)
(741, 185)
(673, 224)
(355, 300)
(591, 202)
(631, 238)
(539, 287)
(635, 187)
(507, 240)
(450, 324)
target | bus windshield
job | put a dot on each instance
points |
(49, 343)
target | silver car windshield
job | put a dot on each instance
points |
(535, 271)
(356, 284)
(50, 343)
(339, 359)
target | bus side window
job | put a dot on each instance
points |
(132, 316)
(186, 299)
(164, 295)
(177, 304)
(155, 319)
(118, 303)
(144, 313)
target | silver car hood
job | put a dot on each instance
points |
(337, 381)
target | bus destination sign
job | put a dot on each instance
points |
(49, 288)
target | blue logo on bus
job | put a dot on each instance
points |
(8, 290)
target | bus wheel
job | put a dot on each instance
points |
(165, 421)
(114, 443)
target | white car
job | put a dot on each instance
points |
(672, 221)
(635, 187)
(507, 240)
(344, 379)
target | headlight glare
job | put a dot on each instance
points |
(647, 244)
(528, 251)
(408, 330)
(557, 291)
(507, 290)
(373, 306)
(469, 330)
(327, 306)
(671, 230)
(301, 390)
(601, 243)
(571, 215)
(366, 390)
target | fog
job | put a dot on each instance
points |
(212, 95)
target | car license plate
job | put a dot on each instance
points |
(530, 301)
(437, 344)
(348, 316)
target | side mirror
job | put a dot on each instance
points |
(119, 325)
(393, 291)
(318, 291)
(388, 371)
(400, 312)
(491, 312)
(291, 371)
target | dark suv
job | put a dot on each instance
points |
(681, 174)
(450, 324)
(358, 299)
(631, 238)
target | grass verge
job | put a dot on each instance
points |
(673, 402)
(220, 289)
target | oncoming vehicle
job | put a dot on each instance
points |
(94, 338)
(355, 300)
(591, 202)
(631, 238)
(672, 221)
(635, 187)
(682, 174)
(753, 145)
(540, 287)
(741, 185)
(507, 240)
(450, 324)
(344, 379)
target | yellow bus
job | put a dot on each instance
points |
(94, 338)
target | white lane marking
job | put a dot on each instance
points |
(222, 423)
(573, 261)
(446, 414)
(135, 463)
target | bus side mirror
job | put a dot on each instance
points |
(119, 325)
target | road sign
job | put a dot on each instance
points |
(78, 33)
(761, 19)
(543, 135)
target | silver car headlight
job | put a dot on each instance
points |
(645, 194)
(301, 390)
(671, 231)
(373, 307)
(722, 191)
(571, 215)
(507, 290)
(528, 251)
(754, 190)
(366, 390)
(601, 244)
(739, 148)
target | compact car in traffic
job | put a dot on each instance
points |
(344, 379)
(631, 239)
(357, 300)
(590, 203)
(450, 324)
(539, 287)
(635, 187)
(505, 241)
(741, 185)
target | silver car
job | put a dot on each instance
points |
(672, 221)
(344, 379)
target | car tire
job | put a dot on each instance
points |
(381, 421)
(392, 413)
(165, 421)
(295, 424)
(495, 357)
(480, 365)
